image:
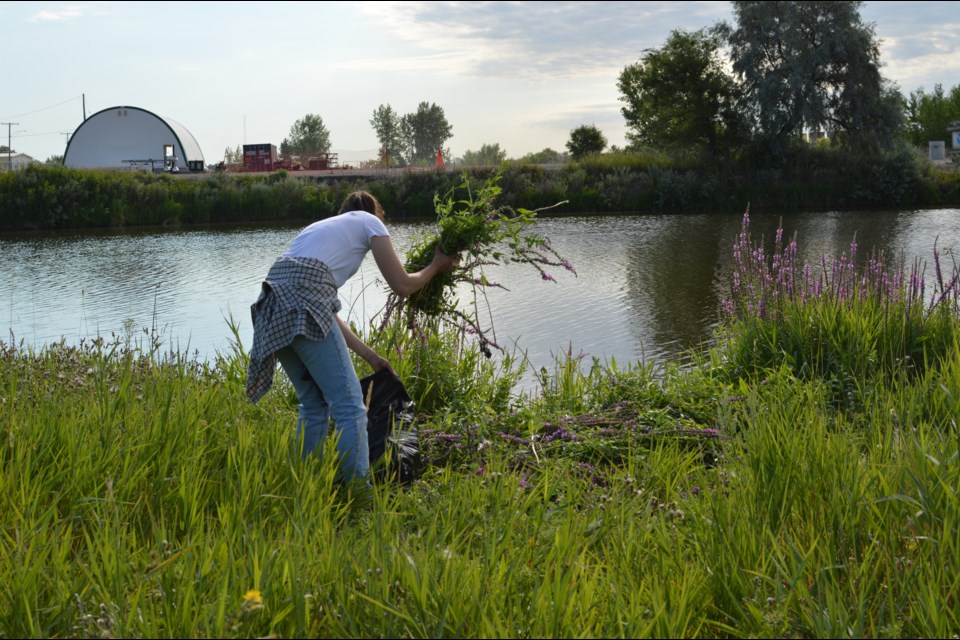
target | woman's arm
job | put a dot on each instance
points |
(361, 349)
(402, 282)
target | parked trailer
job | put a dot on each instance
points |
(259, 157)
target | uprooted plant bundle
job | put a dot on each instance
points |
(483, 233)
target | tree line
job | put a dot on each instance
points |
(779, 73)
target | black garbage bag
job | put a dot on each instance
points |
(394, 439)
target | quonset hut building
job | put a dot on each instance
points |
(133, 138)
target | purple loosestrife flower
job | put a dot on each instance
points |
(512, 438)
(560, 434)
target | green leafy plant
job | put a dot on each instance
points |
(472, 225)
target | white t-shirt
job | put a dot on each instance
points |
(341, 242)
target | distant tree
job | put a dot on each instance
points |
(679, 95)
(307, 135)
(55, 159)
(425, 132)
(5, 149)
(233, 156)
(547, 156)
(386, 124)
(812, 65)
(489, 155)
(929, 114)
(586, 140)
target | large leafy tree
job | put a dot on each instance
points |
(929, 114)
(386, 124)
(307, 135)
(812, 65)
(680, 95)
(425, 131)
(489, 155)
(586, 140)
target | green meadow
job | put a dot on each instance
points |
(798, 479)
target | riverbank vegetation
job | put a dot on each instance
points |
(810, 178)
(797, 480)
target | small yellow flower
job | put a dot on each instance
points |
(253, 599)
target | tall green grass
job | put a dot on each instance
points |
(141, 495)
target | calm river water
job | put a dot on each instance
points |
(647, 288)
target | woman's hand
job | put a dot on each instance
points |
(361, 349)
(378, 363)
(442, 262)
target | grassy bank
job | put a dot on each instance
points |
(798, 481)
(810, 179)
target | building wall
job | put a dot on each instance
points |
(15, 161)
(123, 137)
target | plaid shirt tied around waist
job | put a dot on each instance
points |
(298, 298)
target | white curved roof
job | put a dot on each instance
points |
(124, 137)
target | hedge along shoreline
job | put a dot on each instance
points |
(53, 197)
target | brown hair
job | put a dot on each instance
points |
(362, 201)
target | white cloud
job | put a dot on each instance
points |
(534, 40)
(61, 15)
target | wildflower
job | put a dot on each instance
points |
(252, 600)
(546, 276)
(512, 438)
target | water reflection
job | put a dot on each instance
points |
(671, 273)
(647, 287)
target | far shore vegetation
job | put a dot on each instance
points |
(810, 178)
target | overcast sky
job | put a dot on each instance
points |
(521, 74)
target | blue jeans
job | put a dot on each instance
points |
(332, 387)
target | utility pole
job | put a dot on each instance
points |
(9, 142)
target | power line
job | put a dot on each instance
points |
(28, 113)
(44, 133)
